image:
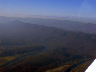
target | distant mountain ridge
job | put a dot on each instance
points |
(61, 24)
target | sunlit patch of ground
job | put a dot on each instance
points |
(9, 58)
(59, 68)
(4, 60)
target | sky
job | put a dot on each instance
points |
(59, 8)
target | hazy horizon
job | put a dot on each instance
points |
(58, 8)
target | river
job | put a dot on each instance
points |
(25, 56)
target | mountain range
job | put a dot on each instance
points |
(68, 25)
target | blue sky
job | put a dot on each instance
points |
(78, 8)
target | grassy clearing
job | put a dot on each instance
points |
(9, 58)
(4, 60)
